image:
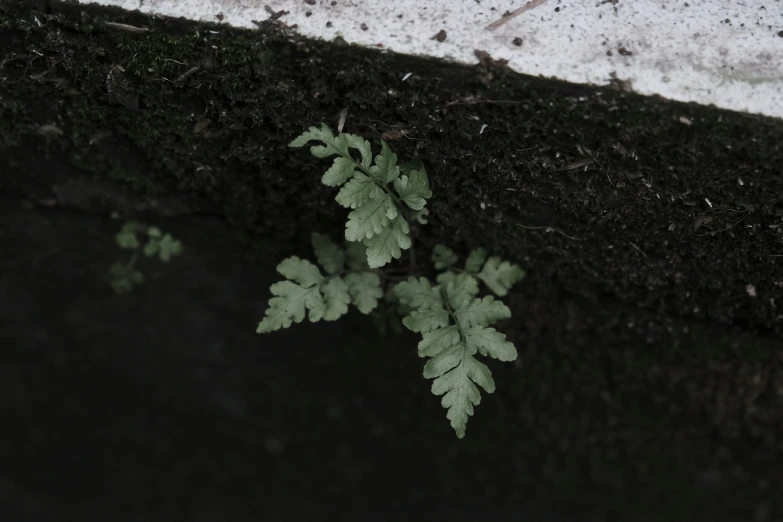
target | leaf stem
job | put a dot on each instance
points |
(133, 259)
(445, 300)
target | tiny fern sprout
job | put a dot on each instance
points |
(382, 195)
(453, 320)
(124, 277)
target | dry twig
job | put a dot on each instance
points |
(513, 14)
(547, 228)
(126, 27)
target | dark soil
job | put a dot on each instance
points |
(649, 385)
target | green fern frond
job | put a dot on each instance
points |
(475, 260)
(454, 327)
(383, 197)
(498, 275)
(385, 169)
(126, 238)
(306, 292)
(413, 189)
(162, 245)
(389, 243)
(443, 257)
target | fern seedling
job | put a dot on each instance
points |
(124, 277)
(381, 193)
(453, 320)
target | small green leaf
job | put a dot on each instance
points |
(168, 248)
(413, 189)
(389, 243)
(500, 276)
(151, 248)
(300, 271)
(443, 257)
(357, 191)
(434, 342)
(489, 342)
(418, 293)
(338, 145)
(482, 312)
(126, 238)
(121, 286)
(443, 361)
(341, 171)
(289, 305)
(460, 394)
(124, 278)
(136, 277)
(365, 289)
(385, 169)
(479, 373)
(333, 144)
(328, 254)
(362, 145)
(313, 134)
(475, 259)
(445, 277)
(461, 290)
(426, 319)
(336, 298)
(370, 218)
(163, 246)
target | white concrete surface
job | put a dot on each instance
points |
(723, 52)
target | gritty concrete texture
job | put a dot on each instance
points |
(707, 51)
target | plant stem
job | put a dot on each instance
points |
(444, 298)
(133, 259)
